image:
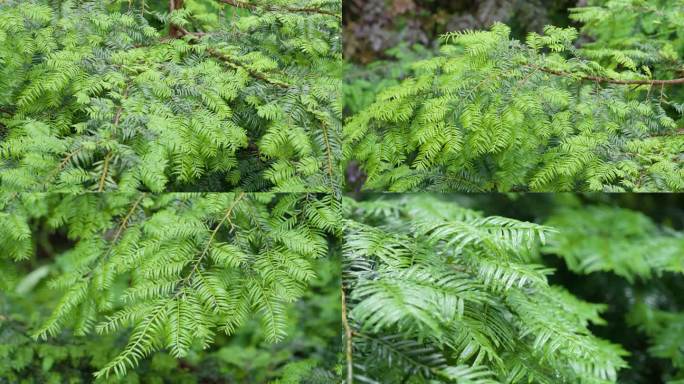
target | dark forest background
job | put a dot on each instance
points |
(667, 211)
(372, 27)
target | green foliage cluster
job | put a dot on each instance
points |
(621, 241)
(117, 264)
(492, 113)
(212, 95)
(441, 292)
(138, 99)
(631, 34)
(649, 259)
(178, 270)
(361, 84)
(302, 357)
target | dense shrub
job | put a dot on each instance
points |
(172, 272)
(493, 113)
(171, 178)
(198, 95)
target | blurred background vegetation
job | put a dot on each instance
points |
(372, 27)
(644, 312)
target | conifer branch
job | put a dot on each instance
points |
(415, 306)
(609, 80)
(328, 152)
(117, 119)
(413, 361)
(132, 347)
(63, 163)
(207, 247)
(201, 95)
(119, 230)
(126, 218)
(448, 130)
(253, 7)
(236, 64)
(232, 62)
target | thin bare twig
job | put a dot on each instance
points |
(205, 251)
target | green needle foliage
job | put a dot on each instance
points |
(547, 114)
(631, 34)
(304, 356)
(161, 96)
(665, 331)
(629, 244)
(177, 270)
(441, 293)
(611, 239)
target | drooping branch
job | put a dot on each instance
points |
(207, 247)
(123, 224)
(253, 7)
(609, 80)
(108, 157)
(105, 169)
(63, 163)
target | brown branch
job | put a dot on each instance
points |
(234, 63)
(348, 340)
(205, 251)
(63, 163)
(108, 157)
(103, 178)
(122, 225)
(124, 222)
(253, 7)
(609, 80)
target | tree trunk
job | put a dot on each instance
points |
(174, 31)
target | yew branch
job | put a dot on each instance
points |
(609, 80)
